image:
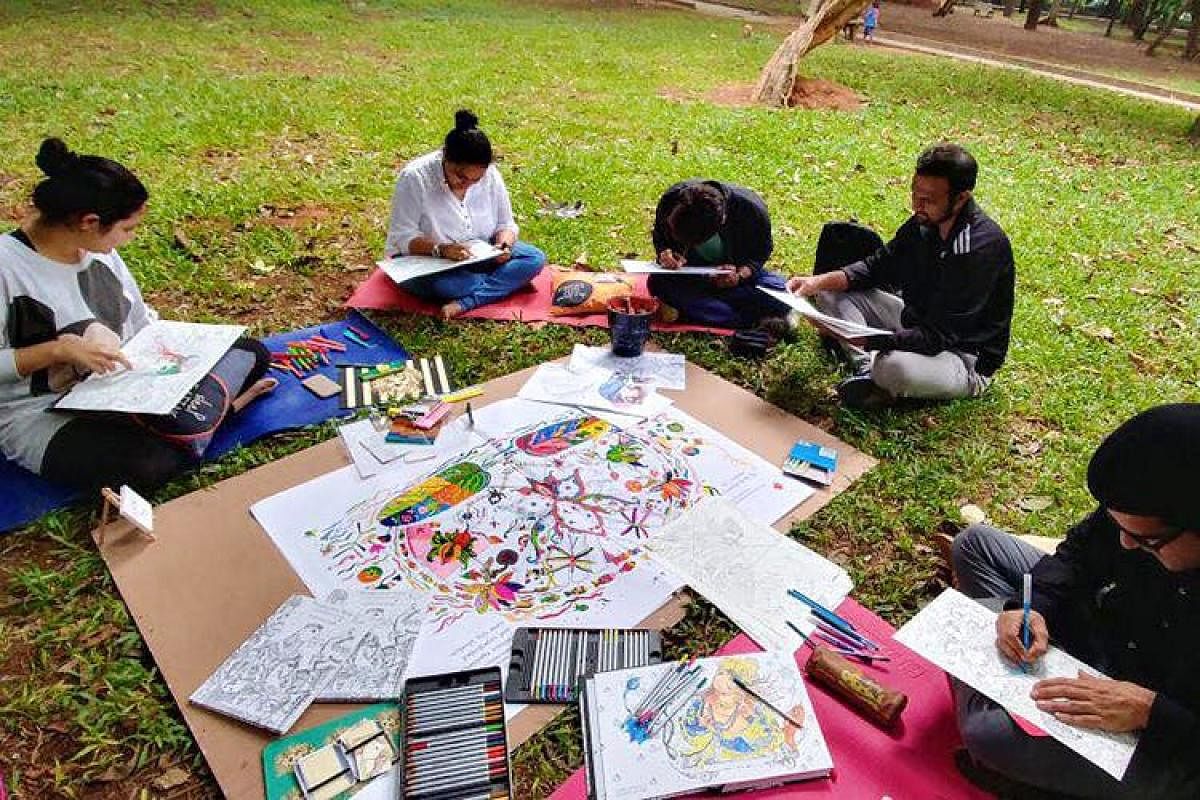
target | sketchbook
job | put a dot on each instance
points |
(275, 674)
(169, 358)
(643, 740)
(654, 268)
(594, 387)
(839, 327)
(405, 268)
(661, 370)
(745, 568)
(959, 635)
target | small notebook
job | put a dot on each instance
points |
(703, 732)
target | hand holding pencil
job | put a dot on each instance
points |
(1010, 636)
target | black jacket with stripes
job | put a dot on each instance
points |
(958, 292)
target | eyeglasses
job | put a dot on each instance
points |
(1152, 543)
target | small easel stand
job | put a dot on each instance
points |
(111, 501)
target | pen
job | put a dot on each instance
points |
(832, 619)
(1026, 598)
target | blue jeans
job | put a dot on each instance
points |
(699, 301)
(479, 284)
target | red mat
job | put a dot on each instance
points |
(915, 762)
(379, 292)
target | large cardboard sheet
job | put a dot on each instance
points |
(212, 576)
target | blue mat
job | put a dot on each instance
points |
(24, 496)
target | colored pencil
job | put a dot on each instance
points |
(742, 685)
(1026, 602)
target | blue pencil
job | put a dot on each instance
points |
(832, 619)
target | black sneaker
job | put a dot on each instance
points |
(754, 343)
(778, 329)
(860, 391)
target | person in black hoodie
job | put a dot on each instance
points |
(709, 223)
(943, 287)
(1122, 594)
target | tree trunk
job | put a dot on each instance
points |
(1031, 18)
(1074, 8)
(1166, 30)
(778, 77)
(1009, 7)
(1137, 13)
(1052, 17)
(1192, 49)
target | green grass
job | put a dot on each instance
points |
(227, 109)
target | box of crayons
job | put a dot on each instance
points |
(455, 744)
(548, 664)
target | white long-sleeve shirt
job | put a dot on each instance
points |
(423, 205)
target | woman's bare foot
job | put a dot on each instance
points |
(256, 390)
(452, 310)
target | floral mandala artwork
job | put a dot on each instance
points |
(529, 527)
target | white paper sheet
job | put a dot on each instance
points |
(168, 358)
(544, 523)
(387, 625)
(594, 388)
(137, 509)
(959, 635)
(745, 568)
(654, 268)
(840, 327)
(275, 674)
(719, 736)
(661, 370)
(405, 268)
(372, 453)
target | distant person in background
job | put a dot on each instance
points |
(67, 305)
(943, 286)
(871, 21)
(446, 199)
(709, 223)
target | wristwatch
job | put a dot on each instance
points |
(436, 252)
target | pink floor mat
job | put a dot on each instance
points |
(914, 762)
(380, 293)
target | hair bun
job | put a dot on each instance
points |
(54, 157)
(464, 120)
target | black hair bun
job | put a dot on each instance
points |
(464, 120)
(54, 157)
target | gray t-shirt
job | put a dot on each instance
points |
(41, 299)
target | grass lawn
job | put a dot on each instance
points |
(269, 132)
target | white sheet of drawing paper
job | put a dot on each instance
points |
(594, 388)
(844, 328)
(959, 635)
(745, 568)
(662, 370)
(274, 675)
(654, 268)
(168, 358)
(405, 268)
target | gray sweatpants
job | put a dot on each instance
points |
(946, 376)
(989, 565)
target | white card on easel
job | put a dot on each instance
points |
(137, 509)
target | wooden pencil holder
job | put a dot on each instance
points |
(875, 701)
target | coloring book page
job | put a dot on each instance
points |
(662, 370)
(745, 568)
(717, 735)
(387, 625)
(275, 674)
(405, 268)
(654, 268)
(168, 358)
(959, 635)
(840, 327)
(543, 521)
(594, 388)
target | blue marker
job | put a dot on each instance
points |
(1026, 632)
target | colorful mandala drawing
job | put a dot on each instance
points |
(532, 526)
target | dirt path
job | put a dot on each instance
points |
(1002, 43)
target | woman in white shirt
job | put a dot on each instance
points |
(446, 199)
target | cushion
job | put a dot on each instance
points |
(579, 292)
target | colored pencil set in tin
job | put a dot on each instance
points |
(548, 664)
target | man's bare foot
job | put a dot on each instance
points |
(256, 390)
(452, 310)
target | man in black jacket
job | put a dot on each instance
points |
(943, 286)
(708, 223)
(1121, 593)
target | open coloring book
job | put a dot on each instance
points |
(959, 635)
(168, 358)
(405, 268)
(543, 520)
(594, 387)
(654, 268)
(711, 734)
(745, 568)
(840, 327)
